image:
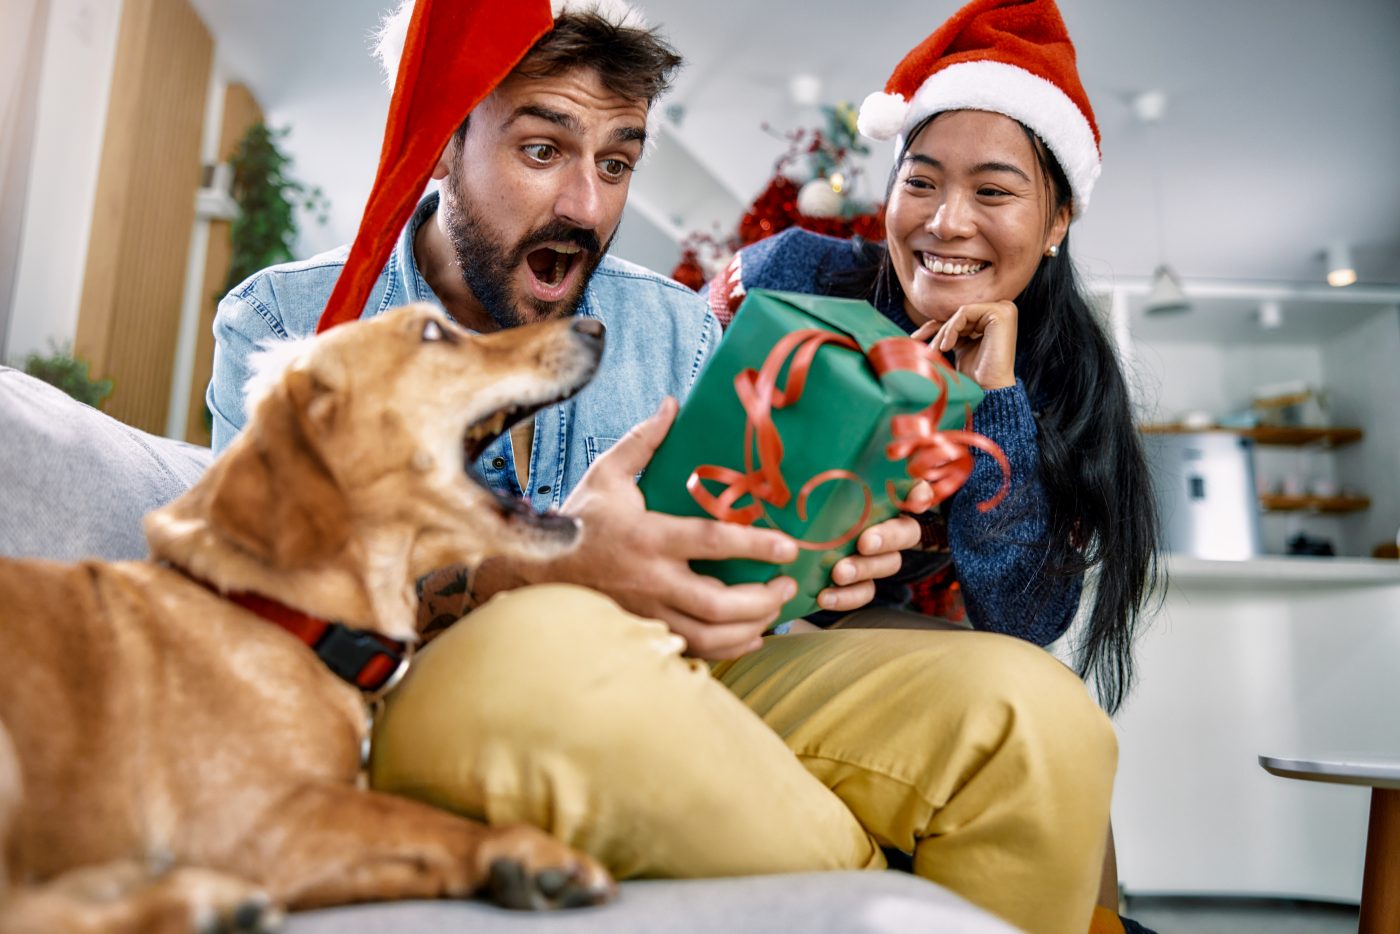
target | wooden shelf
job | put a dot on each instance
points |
(1314, 503)
(1295, 437)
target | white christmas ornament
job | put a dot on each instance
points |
(818, 199)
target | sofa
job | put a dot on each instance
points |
(75, 485)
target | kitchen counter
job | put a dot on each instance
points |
(1286, 570)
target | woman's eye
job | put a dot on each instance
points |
(922, 184)
(540, 152)
(990, 192)
(614, 169)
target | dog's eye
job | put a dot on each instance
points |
(432, 331)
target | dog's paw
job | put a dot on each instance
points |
(222, 904)
(530, 870)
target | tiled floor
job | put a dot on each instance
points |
(1240, 916)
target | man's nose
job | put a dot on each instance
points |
(581, 200)
(953, 219)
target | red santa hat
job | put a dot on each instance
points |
(1011, 57)
(454, 53)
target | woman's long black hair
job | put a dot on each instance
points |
(1102, 513)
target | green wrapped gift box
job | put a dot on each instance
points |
(840, 426)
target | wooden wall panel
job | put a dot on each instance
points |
(133, 285)
(240, 111)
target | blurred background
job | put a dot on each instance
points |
(1243, 245)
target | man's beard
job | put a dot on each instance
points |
(488, 266)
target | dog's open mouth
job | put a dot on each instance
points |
(479, 436)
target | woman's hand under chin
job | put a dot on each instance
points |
(982, 338)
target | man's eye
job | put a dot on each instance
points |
(614, 168)
(540, 152)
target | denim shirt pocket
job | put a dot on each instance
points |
(594, 446)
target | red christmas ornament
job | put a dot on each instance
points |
(688, 271)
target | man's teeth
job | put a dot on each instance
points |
(951, 268)
(561, 265)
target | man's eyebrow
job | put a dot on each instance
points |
(629, 134)
(558, 117)
(976, 169)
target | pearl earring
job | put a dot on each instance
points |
(1053, 251)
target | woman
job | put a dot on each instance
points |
(977, 262)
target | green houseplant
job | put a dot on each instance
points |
(267, 197)
(61, 369)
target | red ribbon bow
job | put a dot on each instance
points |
(942, 458)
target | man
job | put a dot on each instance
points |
(551, 705)
(532, 191)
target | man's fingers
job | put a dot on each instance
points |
(709, 540)
(631, 454)
(897, 534)
(920, 499)
(716, 641)
(705, 598)
(846, 599)
(857, 568)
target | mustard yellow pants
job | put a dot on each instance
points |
(979, 754)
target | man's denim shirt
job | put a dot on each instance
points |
(659, 335)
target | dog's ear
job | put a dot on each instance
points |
(274, 495)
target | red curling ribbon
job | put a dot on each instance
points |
(941, 458)
(824, 477)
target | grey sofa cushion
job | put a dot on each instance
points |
(809, 903)
(74, 483)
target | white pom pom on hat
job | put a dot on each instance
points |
(882, 115)
(1012, 57)
(393, 28)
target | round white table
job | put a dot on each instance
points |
(1380, 881)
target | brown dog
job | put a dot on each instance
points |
(154, 722)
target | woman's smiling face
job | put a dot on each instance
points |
(970, 214)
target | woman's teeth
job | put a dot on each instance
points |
(951, 268)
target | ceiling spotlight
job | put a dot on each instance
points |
(1341, 271)
(1270, 315)
(805, 90)
(1166, 296)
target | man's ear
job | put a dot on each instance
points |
(273, 494)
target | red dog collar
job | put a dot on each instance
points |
(370, 662)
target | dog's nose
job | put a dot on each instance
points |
(589, 327)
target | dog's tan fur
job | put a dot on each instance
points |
(146, 721)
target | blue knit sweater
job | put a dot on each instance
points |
(999, 555)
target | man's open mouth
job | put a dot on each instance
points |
(554, 269)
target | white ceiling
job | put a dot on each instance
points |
(1282, 131)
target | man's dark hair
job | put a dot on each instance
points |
(634, 63)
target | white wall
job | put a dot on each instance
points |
(74, 85)
(1363, 380)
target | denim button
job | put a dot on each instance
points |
(499, 463)
(542, 490)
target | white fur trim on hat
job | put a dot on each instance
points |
(393, 28)
(882, 115)
(1030, 99)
